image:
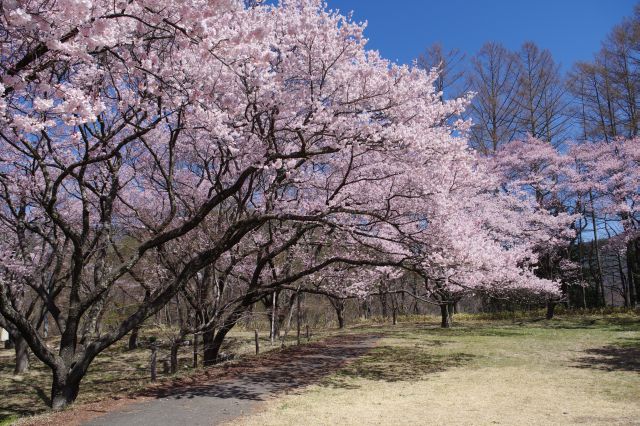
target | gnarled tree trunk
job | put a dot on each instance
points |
(209, 348)
(211, 357)
(64, 388)
(22, 355)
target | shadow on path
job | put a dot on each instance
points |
(214, 400)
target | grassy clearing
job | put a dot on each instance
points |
(573, 369)
(513, 370)
(115, 372)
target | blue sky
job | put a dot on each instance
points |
(571, 29)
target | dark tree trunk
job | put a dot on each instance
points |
(212, 341)
(596, 247)
(133, 339)
(209, 349)
(211, 356)
(154, 362)
(446, 318)
(298, 322)
(340, 313)
(452, 311)
(64, 389)
(551, 306)
(195, 351)
(623, 280)
(174, 356)
(383, 305)
(633, 270)
(22, 355)
(273, 333)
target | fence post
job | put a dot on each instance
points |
(257, 342)
(154, 361)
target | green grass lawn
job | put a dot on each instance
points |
(571, 370)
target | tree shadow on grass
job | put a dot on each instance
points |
(624, 356)
(18, 407)
(395, 364)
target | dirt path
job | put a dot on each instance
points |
(235, 392)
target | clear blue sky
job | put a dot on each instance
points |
(571, 29)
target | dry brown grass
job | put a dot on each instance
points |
(574, 371)
(117, 373)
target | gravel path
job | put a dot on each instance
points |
(224, 400)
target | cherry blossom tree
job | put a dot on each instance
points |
(595, 183)
(125, 125)
(220, 152)
(536, 170)
(607, 174)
